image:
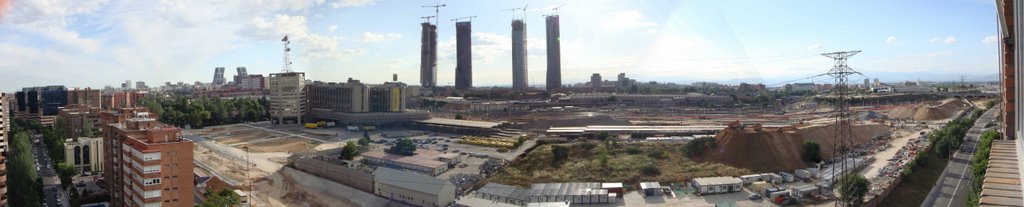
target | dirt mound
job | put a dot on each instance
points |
(772, 149)
(928, 111)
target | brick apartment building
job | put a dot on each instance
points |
(148, 162)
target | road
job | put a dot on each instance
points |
(951, 188)
(52, 192)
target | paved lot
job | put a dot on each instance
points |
(951, 188)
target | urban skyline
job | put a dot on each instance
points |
(657, 40)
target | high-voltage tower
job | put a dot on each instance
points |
(843, 144)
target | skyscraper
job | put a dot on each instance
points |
(428, 55)
(519, 67)
(554, 76)
(595, 81)
(463, 55)
(218, 76)
(242, 73)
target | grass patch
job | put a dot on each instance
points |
(915, 188)
(627, 162)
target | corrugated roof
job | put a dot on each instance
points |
(460, 122)
(408, 180)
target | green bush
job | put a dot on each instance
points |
(650, 170)
(812, 151)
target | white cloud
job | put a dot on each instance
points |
(814, 46)
(946, 40)
(352, 3)
(949, 39)
(940, 53)
(626, 20)
(377, 37)
(892, 41)
(332, 28)
(295, 27)
(990, 39)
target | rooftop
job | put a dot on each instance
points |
(411, 181)
(717, 181)
(422, 158)
(460, 122)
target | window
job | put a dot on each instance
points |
(151, 181)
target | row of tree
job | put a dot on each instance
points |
(951, 137)
(197, 113)
(979, 164)
(21, 174)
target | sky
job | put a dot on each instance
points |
(93, 43)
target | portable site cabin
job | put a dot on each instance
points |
(803, 191)
(651, 188)
(776, 178)
(767, 177)
(717, 185)
(748, 179)
(803, 174)
(786, 177)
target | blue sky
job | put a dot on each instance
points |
(92, 43)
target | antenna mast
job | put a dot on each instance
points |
(287, 68)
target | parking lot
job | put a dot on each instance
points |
(474, 155)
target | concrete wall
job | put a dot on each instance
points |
(353, 178)
(312, 183)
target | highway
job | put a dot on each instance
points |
(52, 192)
(951, 188)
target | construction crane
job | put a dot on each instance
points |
(428, 18)
(460, 18)
(556, 8)
(513, 11)
(437, 11)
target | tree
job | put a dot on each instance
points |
(21, 172)
(458, 116)
(403, 147)
(349, 151)
(65, 171)
(86, 130)
(220, 199)
(364, 141)
(852, 189)
(603, 158)
(559, 153)
(603, 136)
(812, 151)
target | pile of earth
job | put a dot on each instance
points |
(779, 149)
(928, 111)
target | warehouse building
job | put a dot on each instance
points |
(504, 194)
(413, 189)
(425, 162)
(717, 185)
(575, 193)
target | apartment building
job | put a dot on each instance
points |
(4, 134)
(147, 163)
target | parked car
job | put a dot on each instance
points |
(754, 196)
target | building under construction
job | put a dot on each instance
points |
(519, 66)
(463, 55)
(428, 55)
(554, 73)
